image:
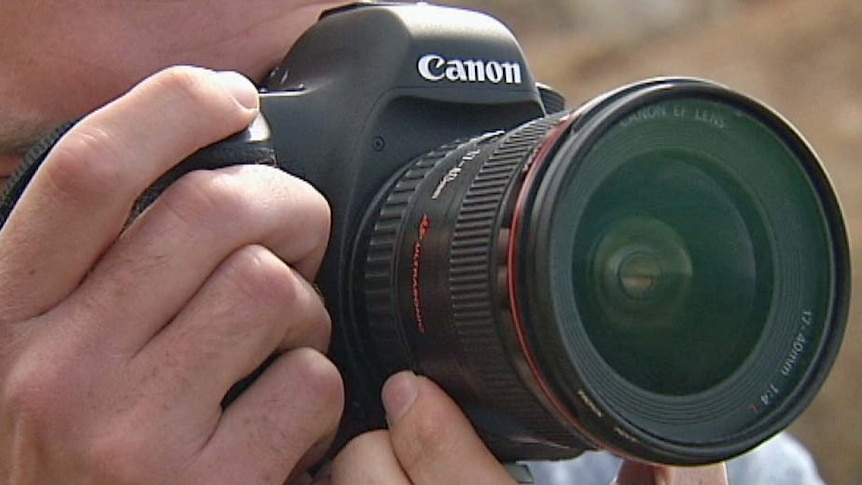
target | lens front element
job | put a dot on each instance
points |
(667, 272)
(683, 239)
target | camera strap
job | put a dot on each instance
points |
(250, 146)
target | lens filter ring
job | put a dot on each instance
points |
(677, 251)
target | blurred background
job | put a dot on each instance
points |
(803, 58)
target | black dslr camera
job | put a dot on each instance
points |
(662, 272)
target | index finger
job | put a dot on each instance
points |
(78, 201)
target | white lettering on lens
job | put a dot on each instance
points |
(799, 344)
(648, 113)
(625, 434)
(450, 176)
(454, 172)
(589, 402)
(434, 68)
(709, 117)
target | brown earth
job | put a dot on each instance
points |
(803, 58)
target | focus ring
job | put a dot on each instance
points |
(379, 272)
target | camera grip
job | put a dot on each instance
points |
(250, 146)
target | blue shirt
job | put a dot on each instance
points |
(780, 461)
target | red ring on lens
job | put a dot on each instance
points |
(548, 148)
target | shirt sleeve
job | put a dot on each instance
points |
(780, 461)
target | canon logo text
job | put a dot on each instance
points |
(434, 67)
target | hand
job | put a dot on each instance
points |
(633, 473)
(429, 442)
(117, 345)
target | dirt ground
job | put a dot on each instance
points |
(803, 58)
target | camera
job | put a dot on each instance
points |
(662, 272)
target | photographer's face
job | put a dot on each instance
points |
(63, 58)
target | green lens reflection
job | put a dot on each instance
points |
(641, 268)
(672, 270)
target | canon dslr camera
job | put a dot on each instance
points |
(662, 272)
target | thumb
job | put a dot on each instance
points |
(432, 439)
(634, 473)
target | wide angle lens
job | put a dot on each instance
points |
(662, 273)
(672, 263)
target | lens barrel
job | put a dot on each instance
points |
(663, 273)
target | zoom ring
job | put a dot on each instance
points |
(477, 295)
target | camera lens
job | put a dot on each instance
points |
(662, 273)
(672, 265)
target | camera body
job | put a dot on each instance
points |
(362, 94)
(557, 272)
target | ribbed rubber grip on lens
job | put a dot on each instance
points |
(470, 333)
(476, 294)
(379, 275)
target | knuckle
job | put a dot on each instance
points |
(322, 329)
(83, 164)
(42, 402)
(202, 197)
(120, 455)
(323, 383)
(199, 90)
(188, 84)
(254, 272)
(318, 218)
(30, 393)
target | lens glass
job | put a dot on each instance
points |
(674, 271)
(689, 219)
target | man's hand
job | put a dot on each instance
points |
(117, 345)
(430, 442)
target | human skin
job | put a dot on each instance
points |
(118, 342)
(63, 58)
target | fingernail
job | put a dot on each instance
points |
(398, 395)
(241, 88)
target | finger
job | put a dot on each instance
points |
(368, 459)
(634, 473)
(431, 453)
(703, 475)
(301, 474)
(179, 241)
(253, 305)
(78, 201)
(292, 408)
